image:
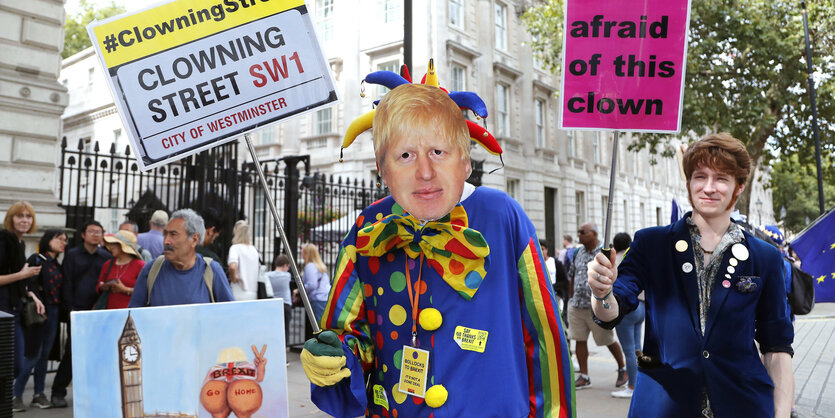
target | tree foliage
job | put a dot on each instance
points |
(746, 74)
(795, 188)
(75, 28)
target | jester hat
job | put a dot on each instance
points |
(464, 100)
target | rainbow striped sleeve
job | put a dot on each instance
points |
(345, 310)
(550, 374)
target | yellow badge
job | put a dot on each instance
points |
(470, 339)
(413, 371)
(380, 397)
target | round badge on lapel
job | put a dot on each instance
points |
(726, 284)
(740, 252)
(732, 261)
(681, 245)
(727, 276)
(687, 267)
(731, 269)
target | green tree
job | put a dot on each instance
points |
(75, 28)
(746, 73)
(795, 188)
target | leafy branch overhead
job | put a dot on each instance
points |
(75, 30)
(746, 74)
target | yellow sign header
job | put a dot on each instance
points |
(148, 32)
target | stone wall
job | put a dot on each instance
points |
(31, 104)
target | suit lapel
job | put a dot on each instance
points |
(686, 276)
(720, 292)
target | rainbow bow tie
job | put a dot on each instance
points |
(459, 254)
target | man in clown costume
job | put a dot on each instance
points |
(441, 305)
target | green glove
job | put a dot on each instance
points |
(323, 360)
(325, 344)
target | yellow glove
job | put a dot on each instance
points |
(323, 360)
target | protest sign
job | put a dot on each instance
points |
(189, 75)
(623, 64)
(141, 363)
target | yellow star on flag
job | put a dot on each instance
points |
(833, 275)
(820, 279)
(832, 247)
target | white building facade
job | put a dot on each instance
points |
(559, 177)
(31, 103)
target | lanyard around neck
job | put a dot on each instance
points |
(413, 299)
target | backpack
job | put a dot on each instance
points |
(208, 277)
(802, 296)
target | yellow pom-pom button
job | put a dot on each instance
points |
(436, 396)
(430, 319)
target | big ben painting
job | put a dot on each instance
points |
(130, 371)
(182, 361)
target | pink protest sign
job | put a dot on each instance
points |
(623, 64)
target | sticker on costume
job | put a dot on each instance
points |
(413, 371)
(470, 339)
(380, 397)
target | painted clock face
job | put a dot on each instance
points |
(130, 353)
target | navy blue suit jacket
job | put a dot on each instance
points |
(725, 360)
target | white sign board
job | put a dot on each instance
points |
(190, 75)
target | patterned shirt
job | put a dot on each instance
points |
(706, 275)
(579, 270)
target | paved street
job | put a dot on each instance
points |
(814, 369)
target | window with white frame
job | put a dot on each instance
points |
(503, 117)
(539, 109)
(456, 13)
(458, 78)
(324, 19)
(500, 25)
(392, 66)
(626, 215)
(323, 121)
(117, 139)
(259, 217)
(596, 145)
(90, 73)
(652, 172)
(391, 10)
(635, 164)
(604, 200)
(267, 135)
(570, 144)
(580, 205)
(537, 62)
(512, 186)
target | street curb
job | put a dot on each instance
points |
(809, 317)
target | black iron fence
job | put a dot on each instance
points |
(314, 207)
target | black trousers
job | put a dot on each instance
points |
(288, 313)
(63, 376)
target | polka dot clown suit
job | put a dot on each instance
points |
(518, 366)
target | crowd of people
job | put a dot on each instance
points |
(673, 281)
(173, 263)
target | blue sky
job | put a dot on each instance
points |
(179, 345)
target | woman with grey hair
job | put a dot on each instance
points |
(243, 263)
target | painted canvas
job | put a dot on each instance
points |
(209, 360)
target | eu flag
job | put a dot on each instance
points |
(676, 212)
(816, 248)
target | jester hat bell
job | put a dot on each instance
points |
(464, 100)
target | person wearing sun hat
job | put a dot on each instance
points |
(118, 275)
(442, 280)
